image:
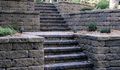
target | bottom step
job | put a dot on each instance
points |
(70, 66)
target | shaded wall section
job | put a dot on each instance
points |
(103, 19)
(23, 52)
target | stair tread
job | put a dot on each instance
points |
(70, 64)
(61, 48)
(66, 55)
(59, 35)
(57, 41)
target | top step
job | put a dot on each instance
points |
(44, 4)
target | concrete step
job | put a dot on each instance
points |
(45, 7)
(60, 42)
(74, 57)
(50, 15)
(58, 37)
(53, 24)
(62, 50)
(69, 65)
(55, 29)
(44, 4)
(52, 21)
(51, 18)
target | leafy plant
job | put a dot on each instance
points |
(103, 4)
(6, 31)
(105, 30)
(92, 27)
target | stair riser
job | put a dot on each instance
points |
(71, 69)
(51, 19)
(48, 61)
(49, 16)
(59, 45)
(45, 7)
(53, 24)
(86, 67)
(56, 28)
(50, 52)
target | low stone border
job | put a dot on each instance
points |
(21, 52)
(102, 50)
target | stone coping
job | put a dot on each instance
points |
(114, 35)
(15, 12)
(95, 12)
(21, 38)
(50, 33)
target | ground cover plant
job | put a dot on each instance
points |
(7, 31)
(92, 27)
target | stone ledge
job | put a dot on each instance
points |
(13, 12)
(99, 36)
(21, 38)
(95, 12)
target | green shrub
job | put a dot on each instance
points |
(105, 30)
(92, 27)
(85, 9)
(6, 31)
(103, 4)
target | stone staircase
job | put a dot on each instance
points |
(61, 50)
(50, 18)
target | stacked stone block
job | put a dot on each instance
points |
(17, 5)
(65, 7)
(28, 21)
(20, 12)
(103, 19)
(21, 53)
(102, 51)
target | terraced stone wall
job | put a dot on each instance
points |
(20, 12)
(21, 53)
(27, 21)
(103, 51)
(17, 5)
(103, 19)
(65, 7)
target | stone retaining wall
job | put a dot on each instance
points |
(65, 7)
(103, 51)
(17, 5)
(28, 21)
(21, 53)
(103, 18)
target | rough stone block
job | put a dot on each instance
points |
(115, 63)
(5, 63)
(36, 53)
(35, 68)
(6, 47)
(26, 62)
(18, 68)
(101, 64)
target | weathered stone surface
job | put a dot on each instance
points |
(35, 68)
(21, 53)
(18, 68)
(5, 63)
(103, 19)
(36, 53)
(26, 62)
(103, 51)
